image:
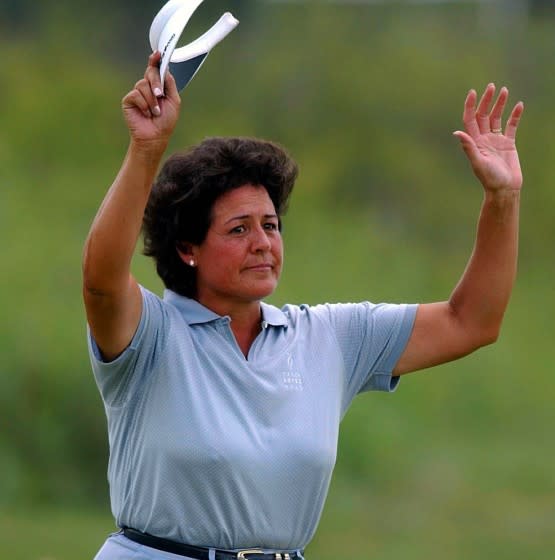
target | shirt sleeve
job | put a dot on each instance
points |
(118, 379)
(371, 339)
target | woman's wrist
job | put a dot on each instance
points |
(502, 197)
(147, 151)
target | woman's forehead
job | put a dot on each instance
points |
(248, 200)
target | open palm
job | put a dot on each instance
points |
(491, 151)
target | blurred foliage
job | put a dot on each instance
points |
(459, 462)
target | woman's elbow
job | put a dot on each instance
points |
(89, 272)
(487, 336)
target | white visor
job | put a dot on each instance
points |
(165, 31)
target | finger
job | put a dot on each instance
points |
(154, 59)
(469, 114)
(514, 120)
(482, 112)
(496, 113)
(146, 91)
(468, 145)
(152, 73)
(171, 89)
(135, 100)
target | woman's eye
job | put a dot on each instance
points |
(271, 226)
(238, 229)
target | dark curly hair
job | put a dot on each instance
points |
(179, 209)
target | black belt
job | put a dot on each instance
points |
(202, 553)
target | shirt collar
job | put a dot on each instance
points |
(273, 316)
(195, 313)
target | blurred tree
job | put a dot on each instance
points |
(18, 13)
(542, 7)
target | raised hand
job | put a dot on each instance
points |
(150, 116)
(490, 150)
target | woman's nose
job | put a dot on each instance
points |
(261, 241)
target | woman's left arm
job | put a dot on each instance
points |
(472, 316)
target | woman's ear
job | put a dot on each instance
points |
(186, 253)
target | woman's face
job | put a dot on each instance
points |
(240, 259)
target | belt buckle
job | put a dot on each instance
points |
(242, 554)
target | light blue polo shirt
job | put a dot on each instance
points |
(213, 449)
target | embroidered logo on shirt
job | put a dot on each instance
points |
(291, 377)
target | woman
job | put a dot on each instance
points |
(223, 411)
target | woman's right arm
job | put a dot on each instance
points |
(112, 296)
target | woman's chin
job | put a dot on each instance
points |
(262, 290)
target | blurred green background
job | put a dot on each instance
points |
(459, 463)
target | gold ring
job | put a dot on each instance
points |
(497, 130)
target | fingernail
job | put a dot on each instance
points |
(156, 110)
(158, 92)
